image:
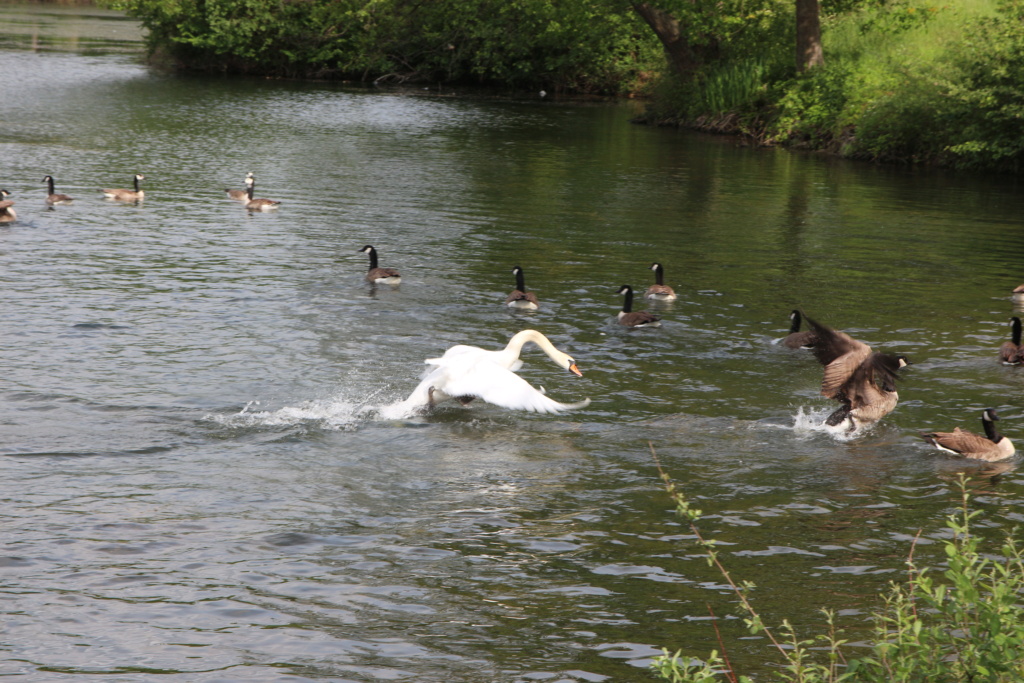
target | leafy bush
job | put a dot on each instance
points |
(585, 45)
(966, 626)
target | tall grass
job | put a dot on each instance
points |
(963, 624)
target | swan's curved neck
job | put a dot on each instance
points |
(520, 339)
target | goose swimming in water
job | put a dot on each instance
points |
(126, 195)
(384, 276)
(659, 290)
(257, 204)
(629, 317)
(7, 213)
(465, 373)
(53, 197)
(241, 195)
(864, 381)
(1011, 352)
(797, 339)
(991, 447)
(520, 298)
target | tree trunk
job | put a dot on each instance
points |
(680, 54)
(808, 35)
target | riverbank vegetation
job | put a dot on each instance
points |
(583, 46)
(902, 81)
(917, 81)
(963, 624)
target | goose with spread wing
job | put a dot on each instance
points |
(465, 373)
(864, 381)
(796, 338)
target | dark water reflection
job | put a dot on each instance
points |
(194, 458)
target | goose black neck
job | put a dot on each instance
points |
(627, 303)
(520, 281)
(991, 432)
(373, 257)
(795, 327)
(49, 183)
(659, 274)
(136, 183)
(1016, 330)
(248, 190)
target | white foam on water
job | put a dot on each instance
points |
(811, 421)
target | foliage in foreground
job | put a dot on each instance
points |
(967, 624)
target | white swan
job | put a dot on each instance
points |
(465, 372)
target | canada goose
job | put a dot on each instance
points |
(241, 195)
(126, 195)
(1011, 352)
(631, 318)
(991, 447)
(797, 339)
(52, 197)
(659, 290)
(520, 298)
(6, 207)
(258, 204)
(385, 276)
(465, 373)
(864, 381)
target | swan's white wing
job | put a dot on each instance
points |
(502, 387)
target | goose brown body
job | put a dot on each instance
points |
(520, 298)
(1011, 352)
(7, 213)
(257, 203)
(240, 195)
(862, 380)
(630, 318)
(991, 447)
(374, 273)
(659, 290)
(123, 195)
(53, 197)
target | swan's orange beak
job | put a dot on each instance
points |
(575, 370)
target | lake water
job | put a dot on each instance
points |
(199, 484)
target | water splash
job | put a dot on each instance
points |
(335, 413)
(813, 422)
